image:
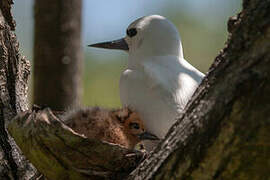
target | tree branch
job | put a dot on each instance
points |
(60, 153)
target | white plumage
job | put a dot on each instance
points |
(158, 81)
(159, 90)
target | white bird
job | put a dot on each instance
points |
(158, 81)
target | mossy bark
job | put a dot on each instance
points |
(60, 153)
(225, 131)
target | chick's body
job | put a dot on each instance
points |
(111, 126)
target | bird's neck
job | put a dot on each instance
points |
(148, 50)
(181, 54)
(137, 59)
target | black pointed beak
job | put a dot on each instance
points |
(148, 136)
(116, 44)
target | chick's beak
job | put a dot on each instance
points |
(116, 44)
(148, 136)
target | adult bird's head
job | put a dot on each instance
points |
(148, 36)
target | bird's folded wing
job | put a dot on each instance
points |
(175, 81)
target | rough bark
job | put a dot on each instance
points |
(57, 53)
(225, 130)
(14, 72)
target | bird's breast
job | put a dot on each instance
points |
(136, 94)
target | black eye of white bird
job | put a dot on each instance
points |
(131, 32)
(134, 125)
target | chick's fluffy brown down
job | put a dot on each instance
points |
(105, 125)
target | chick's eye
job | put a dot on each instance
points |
(134, 125)
(131, 32)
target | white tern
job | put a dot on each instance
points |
(158, 81)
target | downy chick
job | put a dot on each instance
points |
(119, 126)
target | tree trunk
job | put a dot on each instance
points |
(14, 72)
(57, 53)
(225, 130)
(223, 134)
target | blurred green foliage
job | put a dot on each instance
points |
(100, 82)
